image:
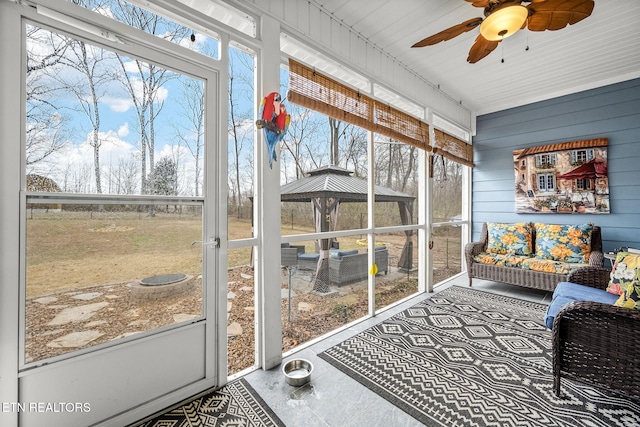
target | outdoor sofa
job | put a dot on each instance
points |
(352, 266)
(594, 317)
(345, 266)
(533, 255)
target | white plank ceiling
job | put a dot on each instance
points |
(602, 49)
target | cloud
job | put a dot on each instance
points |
(123, 130)
(119, 105)
(122, 102)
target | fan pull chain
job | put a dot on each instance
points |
(502, 49)
(527, 47)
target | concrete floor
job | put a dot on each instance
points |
(334, 399)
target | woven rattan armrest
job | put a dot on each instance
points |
(472, 249)
(595, 343)
(594, 277)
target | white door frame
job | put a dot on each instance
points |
(120, 383)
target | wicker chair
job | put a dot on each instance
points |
(289, 254)
(597, 343)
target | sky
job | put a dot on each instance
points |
(119, 127)
(119, 131)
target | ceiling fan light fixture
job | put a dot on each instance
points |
(503, 22)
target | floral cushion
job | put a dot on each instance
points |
(507, 260)
(509, 238)
(551, 266)
(626, 269)
(564, 243)
(630, 297)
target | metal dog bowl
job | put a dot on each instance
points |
(297, 372)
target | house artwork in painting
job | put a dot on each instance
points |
(569, 177)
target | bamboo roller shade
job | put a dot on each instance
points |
(453, 148)
(311, 89)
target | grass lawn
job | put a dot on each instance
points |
(72, 250)
(67, 250)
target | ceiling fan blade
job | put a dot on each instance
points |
(479, 3)
(449, 33)
(556, 14)
(481, 48)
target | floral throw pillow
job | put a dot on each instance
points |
(565, 243)
(630, 297)
(509, 238)
(626, 269)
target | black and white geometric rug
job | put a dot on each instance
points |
(470, 358)
(235, 405)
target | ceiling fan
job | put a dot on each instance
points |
(503, 18)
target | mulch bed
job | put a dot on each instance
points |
(311, 315)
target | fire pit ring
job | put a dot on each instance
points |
(162, 279)
(161, 286)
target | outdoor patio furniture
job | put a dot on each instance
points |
(352, 266)
(289, 254)
(595, 342)
(521, 263)
(308, 261)
(327, 188)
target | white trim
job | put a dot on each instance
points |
(428, 267)
(171, 56)
(268, 305)
(11, 159)
(371, 221)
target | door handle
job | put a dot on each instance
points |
(214, 242)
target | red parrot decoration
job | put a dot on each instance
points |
(275, 122)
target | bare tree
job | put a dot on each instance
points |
(353, 150)
(124, 176)
(347, 146)
(88, 61)
(47, 129)
(304, 129)
(306, 140)
(144, 92)
(396, 165)
(447, 188)
(191, 135)
(242, 102)
(334, 139)
(236, 121)
(77, 178)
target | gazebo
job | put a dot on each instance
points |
(329, 186)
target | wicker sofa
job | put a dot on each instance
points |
(352, 266)
(515, 274)
(594, 342)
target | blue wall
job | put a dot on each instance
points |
(611, 112)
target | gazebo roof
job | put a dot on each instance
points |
(338, 183)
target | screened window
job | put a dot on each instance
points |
(152, 23)
(112, 180)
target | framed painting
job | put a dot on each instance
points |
(569, 177)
